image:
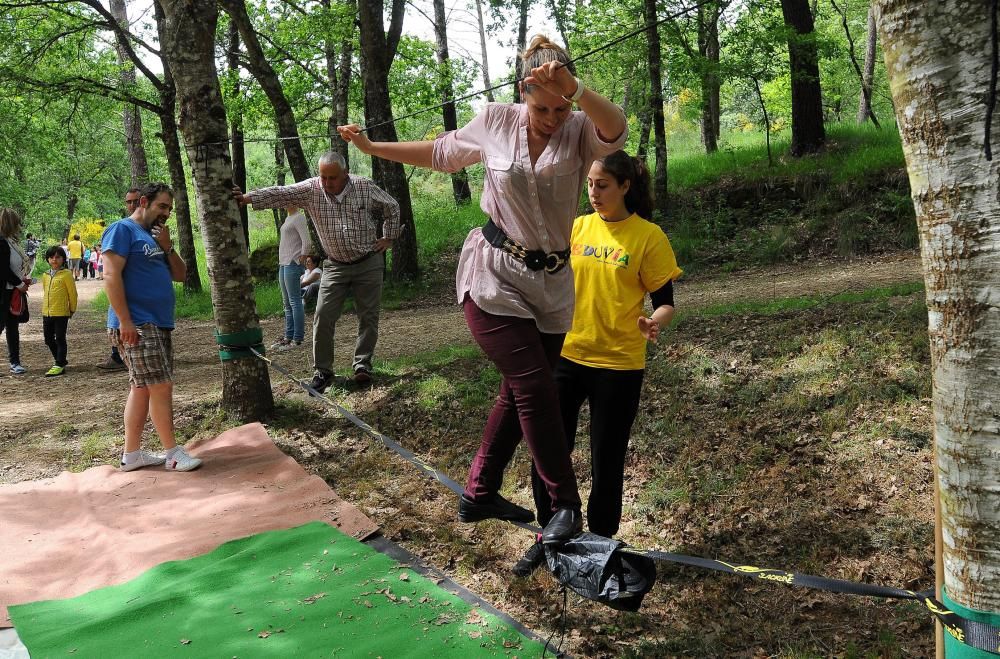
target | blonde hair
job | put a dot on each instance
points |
(539, 51)
(10, 222)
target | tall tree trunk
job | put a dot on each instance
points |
(131, 118)
(279, 179)
(865, 86)
(338, 74)
(656, 108)
(708, 49)
(175, 164)
(482, 49)
(937, 55)
(72, 200)
(264, 73)
(808, 132)
(460, 179)
(377, 51)
(522, 43)
(190, 50)
(864, 103)
(239, 150)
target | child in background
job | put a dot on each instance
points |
(58, 304)
(100, 263)
(95, 252)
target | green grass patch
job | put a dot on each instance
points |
(852, 152)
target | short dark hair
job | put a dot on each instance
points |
(55, 250)
(76, 236)
(131, 190)
(153, 190)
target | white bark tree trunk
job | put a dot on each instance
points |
(937, 55)
(188, 45)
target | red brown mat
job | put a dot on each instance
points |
(68, 535)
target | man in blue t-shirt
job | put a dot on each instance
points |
(140, 266)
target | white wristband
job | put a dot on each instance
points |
(578, 93)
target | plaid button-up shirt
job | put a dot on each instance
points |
(348, 227)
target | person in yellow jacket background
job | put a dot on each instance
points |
(58, 305)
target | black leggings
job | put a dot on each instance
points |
(54, 331)
(9, 326)
(614, 403)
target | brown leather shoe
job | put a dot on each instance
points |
(362, 378)
(110, 364)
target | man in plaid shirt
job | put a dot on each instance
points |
(345, 209)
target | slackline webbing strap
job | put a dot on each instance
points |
(240, 345)
(979, 635)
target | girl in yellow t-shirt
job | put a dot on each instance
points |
(618, 258)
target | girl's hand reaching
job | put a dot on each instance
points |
(649, 328)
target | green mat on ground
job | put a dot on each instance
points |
(310, 591)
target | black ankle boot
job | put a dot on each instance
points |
(564, 525)
(494, 508)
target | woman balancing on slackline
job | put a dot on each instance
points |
(513, 283)
(618, 257)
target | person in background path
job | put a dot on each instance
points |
(618, 258)
(114, 361)
(140, 266)
(75, 248)
(95, 253)
(58, 306)
(31, 245)
(514, 288)
(14, 274)
(85, 262)
(345, 210)
(293, 247)
(309, 282)
(65, 249)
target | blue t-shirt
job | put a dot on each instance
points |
(149, 289)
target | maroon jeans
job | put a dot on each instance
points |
(528, 406)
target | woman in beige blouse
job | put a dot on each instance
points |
(513, 279)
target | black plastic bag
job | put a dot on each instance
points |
(594, 567)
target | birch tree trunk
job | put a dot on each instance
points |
(864, 103)
(338, 75)
(522, 43)
(131, 119)
(460, 179)
(239, 149)
(188, 46)
(656, 108)
(938, 59)
(482, 47)
(708, 48)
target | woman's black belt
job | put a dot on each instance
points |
(535, 259)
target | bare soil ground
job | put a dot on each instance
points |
(74, 421)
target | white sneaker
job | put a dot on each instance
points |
(277, 345)
(17, 369)
(146, 459)
(291, 345)
(181, 461)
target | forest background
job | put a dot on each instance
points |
(771, 415)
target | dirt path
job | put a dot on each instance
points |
(91, 400)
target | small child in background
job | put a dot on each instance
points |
(95, 253)
(100, 262)
(58, 304)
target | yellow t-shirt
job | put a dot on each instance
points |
(75, 249)
(614, 265)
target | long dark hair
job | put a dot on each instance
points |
(624, 167)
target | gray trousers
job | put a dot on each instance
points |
(363, 281)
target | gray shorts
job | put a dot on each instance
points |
(74, 264)
(151, 361)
